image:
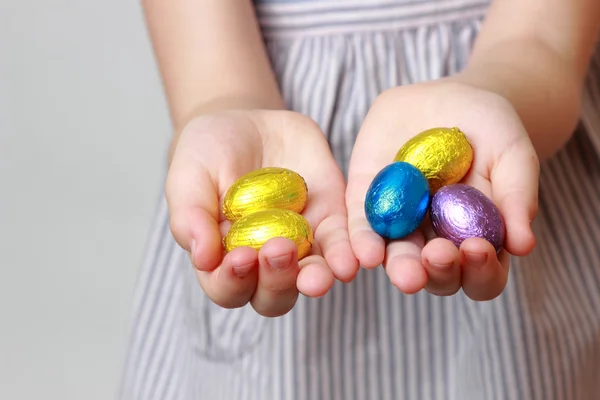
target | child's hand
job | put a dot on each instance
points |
(505, 168)
(215, 150)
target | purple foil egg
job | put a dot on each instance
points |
(459, 212)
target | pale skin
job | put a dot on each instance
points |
(229, 118)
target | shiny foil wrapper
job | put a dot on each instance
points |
(254, 230)
(263, 189)
(397, 200)
(444, 155)
(459, 212)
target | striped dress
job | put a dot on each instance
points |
(540, 340)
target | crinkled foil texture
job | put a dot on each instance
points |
(444, 155)
(397, 200)
(264, 189)
(255, 229)
(459, 212)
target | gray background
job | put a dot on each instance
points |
(83, 128)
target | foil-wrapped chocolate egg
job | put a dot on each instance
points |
(444, 155)
(254, 230)
(459, 212)
(265, 188)
(397, 200)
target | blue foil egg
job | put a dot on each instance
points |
(397, 200)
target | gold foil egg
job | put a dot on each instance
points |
(265, 188)
(254, 230)
(444, 155)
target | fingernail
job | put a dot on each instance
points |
(243, 270)
(476, 259)
(280, 263)
(439, 265)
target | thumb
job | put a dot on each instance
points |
(515, 185)
(194, 212)
(212, 152)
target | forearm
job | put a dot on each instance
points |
(540, 87)
(535, 53)
(211, 56)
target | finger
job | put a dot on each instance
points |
(367, 245)
(276, 292)
(403, 263)
(205, 162)
(193, 207)
(441, 260)
(326, 211)
(315, 277)
(232, 284)
(332, 238)
(515, 190)
(483, 276)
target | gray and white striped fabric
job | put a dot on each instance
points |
(540, 340)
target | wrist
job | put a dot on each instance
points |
(222, 104)
(542, 88)
(228, 102)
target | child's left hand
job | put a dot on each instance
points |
(505, 168)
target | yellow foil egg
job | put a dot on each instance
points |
(265, 188)
(444, 155)
(254, 230)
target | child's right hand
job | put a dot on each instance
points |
(215, 150)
